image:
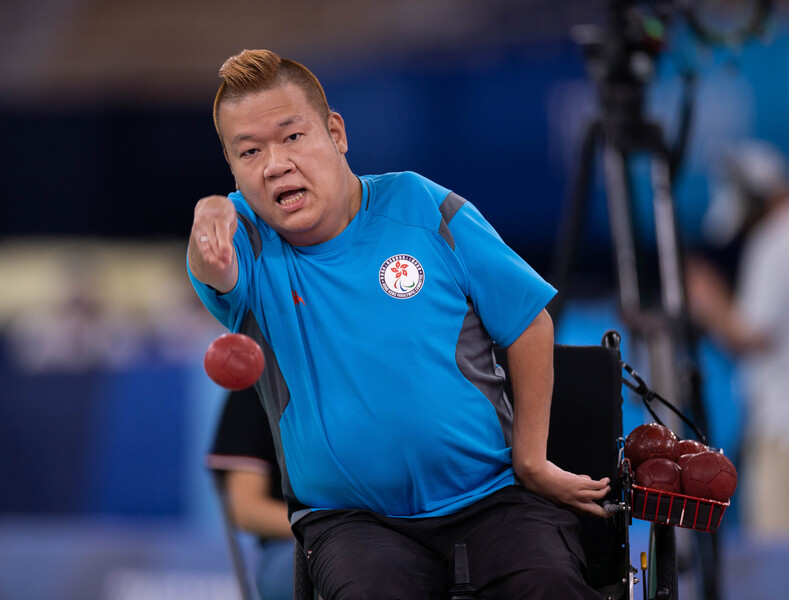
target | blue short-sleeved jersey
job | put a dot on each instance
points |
(380, 382)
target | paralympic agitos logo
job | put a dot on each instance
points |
(401, 276)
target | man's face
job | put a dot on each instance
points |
(289, 167)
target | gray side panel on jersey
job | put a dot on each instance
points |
(253, 233)
(476, 360)
(273, 391)
(448, 208)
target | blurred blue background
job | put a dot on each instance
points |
(107, 142)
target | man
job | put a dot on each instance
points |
(752, 322)
(376, 300)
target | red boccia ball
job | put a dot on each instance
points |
(660, 474)
(709, 475)
(690, 447)
(682, 461)
(234, 361)
(651, 440)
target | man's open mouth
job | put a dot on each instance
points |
(289, 197)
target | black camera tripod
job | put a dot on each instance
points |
(620, 58)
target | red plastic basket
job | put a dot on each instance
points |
(677, 509)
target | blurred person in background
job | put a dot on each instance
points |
(752, 320)
(74, 327)
(243, 454)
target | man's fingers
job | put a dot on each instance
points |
(587, 483)
(224, 240)
(592, 495)
(206, 245)
(214, 226)
(211, 248)
(590, 505)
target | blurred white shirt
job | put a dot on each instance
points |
(763, 298)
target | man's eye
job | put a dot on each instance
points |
(293, 137)
(249, 152)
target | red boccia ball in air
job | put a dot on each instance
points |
(651, 440)
(234, 361)
(709, 475)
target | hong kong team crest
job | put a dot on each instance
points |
(401, 276)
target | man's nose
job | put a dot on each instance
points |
(278, 163)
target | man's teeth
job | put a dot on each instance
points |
(291, 199)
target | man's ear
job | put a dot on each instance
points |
(336, 127)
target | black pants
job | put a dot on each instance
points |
(519, 546)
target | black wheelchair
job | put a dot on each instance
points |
(586, 436)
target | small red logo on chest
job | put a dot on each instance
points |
(297, 299)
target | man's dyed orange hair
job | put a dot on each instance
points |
(253, 71)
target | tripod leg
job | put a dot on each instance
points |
(663, 331)
(672, 286)
(673, 351)
(568, 238)
(619, 212)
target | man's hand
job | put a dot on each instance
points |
(576, 492)
(212, 258)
